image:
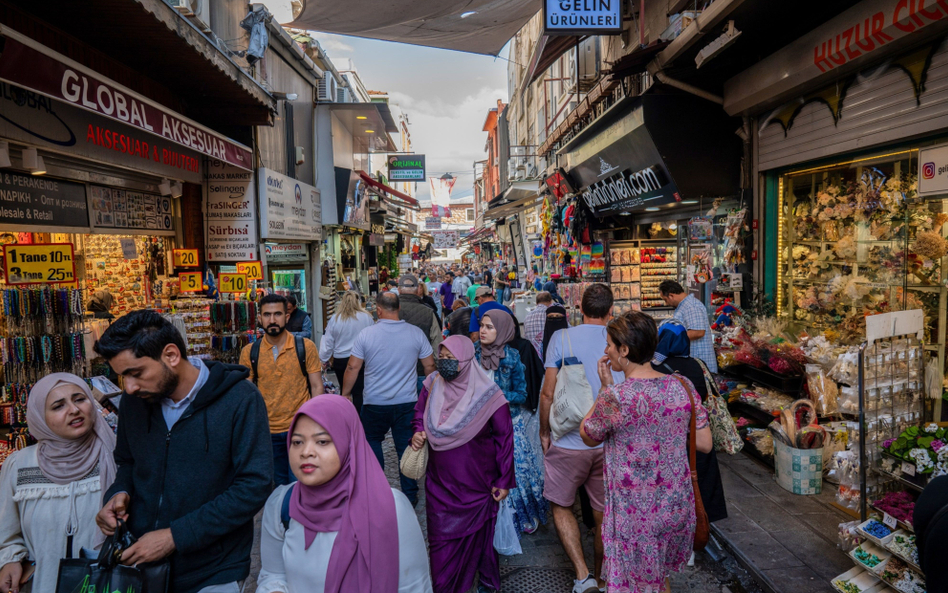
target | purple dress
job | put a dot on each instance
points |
(649, 522)
(461, 512)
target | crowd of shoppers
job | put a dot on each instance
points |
(201, 444)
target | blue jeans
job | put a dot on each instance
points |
(377, 420)
(281, 461)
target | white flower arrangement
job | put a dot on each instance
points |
(922, 460)
(931, 427)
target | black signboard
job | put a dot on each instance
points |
(42, 201)
(406, 167)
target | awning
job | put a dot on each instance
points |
(476, 26)
(519, 196)
(636, 62)
(391, 193)
(199, 80)
(549, 48)
(368, 124)
(485, 233)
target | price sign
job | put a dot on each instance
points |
(184, 258)
(908, 468)
(40, 263)
(191, 281)
(230, 282)
(253, 269)
(889, 521)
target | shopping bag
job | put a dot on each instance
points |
(506, 541)
(572, 396)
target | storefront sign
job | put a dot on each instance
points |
(39, 263)
(184, 258)
(42, 201)
(289, 209)
(628, 191)
(591, 17)
(26, 63)
(287, 252)
(404, 263)
(252, 269)
(61, 127)
(933, 170)
(232, 282)
(432, 223)
(446, 239)
(406, 167)
(230, 215)
(377, 240)
(126, 209)
(191, 281)
(559, 184)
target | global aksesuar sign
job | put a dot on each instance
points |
(406, 167)
(571, 17)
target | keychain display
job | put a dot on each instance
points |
(234, 324)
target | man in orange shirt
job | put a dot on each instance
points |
(287, 371)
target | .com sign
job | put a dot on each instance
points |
(933, 170)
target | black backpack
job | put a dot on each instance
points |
(300, 354)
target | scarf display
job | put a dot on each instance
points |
(459, 409)
(357, 503)
(492, 353)
(672, 341)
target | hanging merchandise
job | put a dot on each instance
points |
(734, 229)
(194, 312)
(700, 263)
(699, 228)
(537, 250)
(598, 264)
(234, 324)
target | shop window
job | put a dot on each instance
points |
(856, 239)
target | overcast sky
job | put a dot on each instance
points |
(446, 95)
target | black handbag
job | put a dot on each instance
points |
(105, 574)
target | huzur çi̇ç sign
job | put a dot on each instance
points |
(626, 190)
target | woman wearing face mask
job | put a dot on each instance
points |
(503, 365)
(341, 528)
(463, 416)
(51, 492)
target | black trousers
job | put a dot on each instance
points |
(339, 367)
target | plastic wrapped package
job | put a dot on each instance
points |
(823, 391)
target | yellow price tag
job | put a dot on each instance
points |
(231, 282)
(39, 263)
(191, 281)
(253, 269)
(184, 258)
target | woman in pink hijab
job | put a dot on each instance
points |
(464, 417)
(340, 528)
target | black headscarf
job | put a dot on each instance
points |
(553, 324)
(550, 287)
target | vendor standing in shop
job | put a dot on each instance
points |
(694, 316)
(298, 321)
(101, 304)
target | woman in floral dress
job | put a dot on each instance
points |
(649, 522)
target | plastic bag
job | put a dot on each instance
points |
(823, 391)
(506, 541)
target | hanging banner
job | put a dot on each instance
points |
(39, 263)
(446, 239)
(406, 167)
(289, 209)
(230, 216)
(441, 190)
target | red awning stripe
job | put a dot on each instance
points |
(388, 190)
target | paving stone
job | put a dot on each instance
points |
(737, 522)
(821, 556)
(764, 551)
(798, 580)
(768, 514)
(794, 504)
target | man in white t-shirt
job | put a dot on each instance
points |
(568, 463)
(390, 350)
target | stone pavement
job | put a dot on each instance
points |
(544, 567)
(787, 541)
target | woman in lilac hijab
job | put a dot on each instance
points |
(464, 417)
(340, 528)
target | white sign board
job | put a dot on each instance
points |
(933, 170)
(432, 223)
(899, 323)
(289, 209)
(404, 263)
(287, 253)
(230, 216)
(446, 239)
(570, 17)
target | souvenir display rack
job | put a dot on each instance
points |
(195, 312)
(235, 325)
(636, 268)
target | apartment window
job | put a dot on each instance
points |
(470, 215)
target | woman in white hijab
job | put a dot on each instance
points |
(50, 492)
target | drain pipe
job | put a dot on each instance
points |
(688, 88)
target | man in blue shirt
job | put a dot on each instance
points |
(485, 302)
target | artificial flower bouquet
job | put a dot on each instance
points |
(926, 448)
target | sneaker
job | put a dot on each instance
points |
(587, 585)
(691, 561)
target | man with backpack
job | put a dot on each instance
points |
(287, 371)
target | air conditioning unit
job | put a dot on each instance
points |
(326, 91)
(532, 171)
(182, 6)
(512, 165)
(342, 96)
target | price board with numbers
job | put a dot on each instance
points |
(184, 258)
(231, 282)
(39, 263)
(191, 281)
(253, 269)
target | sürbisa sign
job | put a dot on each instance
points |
(571, 17)
(408, 167)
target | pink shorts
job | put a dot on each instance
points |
(567, 469)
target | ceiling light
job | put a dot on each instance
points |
(33, 162)
(690, 202)
(464, 15)
(5, 154)
(177, 189)
(361, 117)
(370, 131)
(40, 168)
(164, 188)
(652, 209)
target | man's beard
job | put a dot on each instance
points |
(274, 330)
(169, 382)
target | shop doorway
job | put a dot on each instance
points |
(290, 280)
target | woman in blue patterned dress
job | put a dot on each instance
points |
(502, 362)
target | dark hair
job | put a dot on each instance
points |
(387, 301)
(544, 297)
(271, 299)
(637, 331)
(144, 332)
(291, 300)
(597, 301)
(668, 287)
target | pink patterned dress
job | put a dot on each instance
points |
(649, 522)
